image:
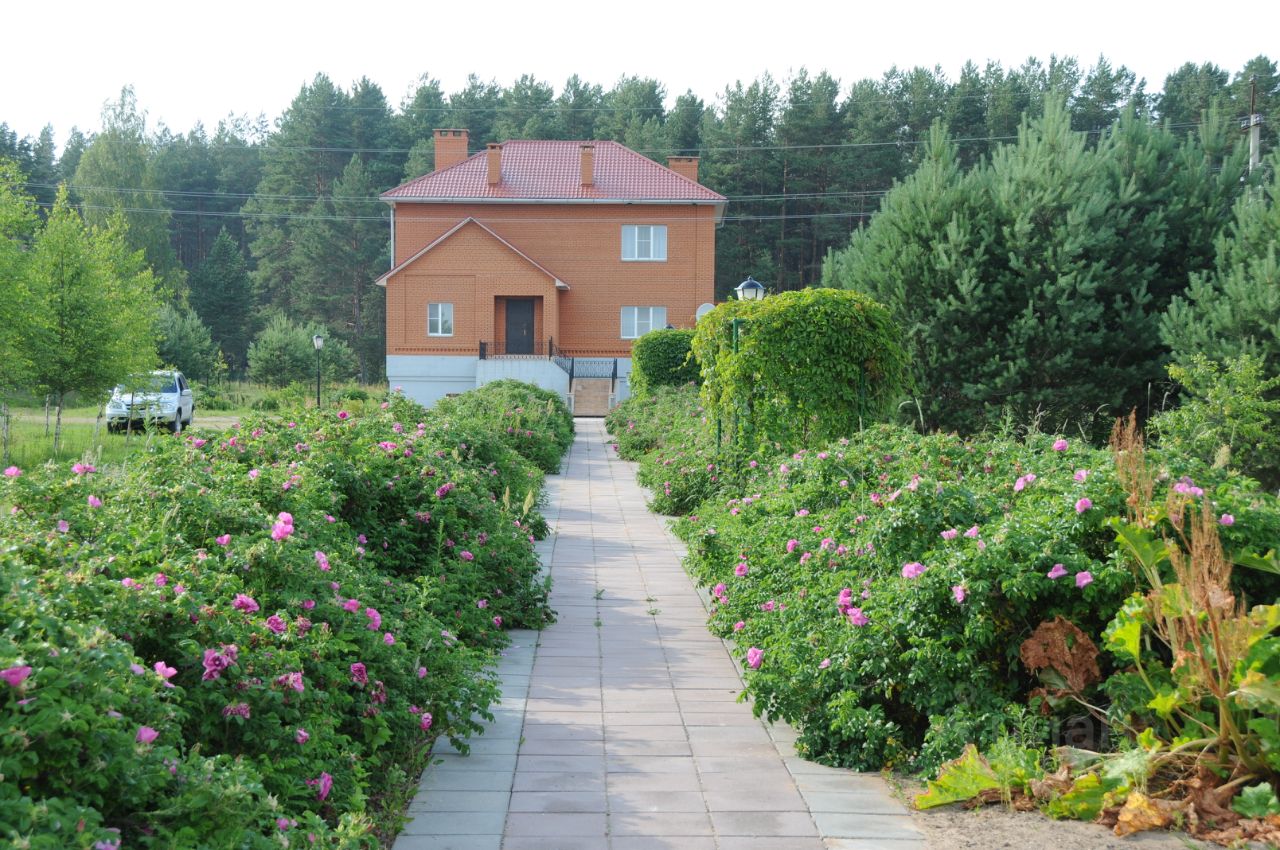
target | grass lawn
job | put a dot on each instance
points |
(84, 437)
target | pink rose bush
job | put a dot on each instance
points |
(217, 660)
(937, 555)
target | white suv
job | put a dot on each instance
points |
(161, 398)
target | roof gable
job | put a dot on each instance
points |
(382, 281)
(550, 171)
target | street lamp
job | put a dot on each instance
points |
(318, 342)
(750, 289)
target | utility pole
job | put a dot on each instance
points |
(1253, 124)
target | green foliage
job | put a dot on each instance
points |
(294, 548)
(1234, 307)
(1230, 416)
(18, 223)
(284, 354)
(791, 544)
(185, 344)
(116, 178)
(662, 358)
(534, 422)
(959, 780)
(799, 366)
(1257, 801)
(223, 298)
(96, 306)
(1035, 282)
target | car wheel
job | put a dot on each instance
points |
(191, 418)
(176, 425)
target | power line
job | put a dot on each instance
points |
(783, 196)
(440, 219)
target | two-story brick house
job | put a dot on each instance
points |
(513, 261)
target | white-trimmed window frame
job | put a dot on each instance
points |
(644, 243)
(440, 317)
(655, 318)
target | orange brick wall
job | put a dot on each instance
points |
(470, 270)
(582, 245)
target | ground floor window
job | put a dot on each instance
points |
(439, 320)
(638, 321)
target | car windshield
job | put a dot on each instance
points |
(148, 384)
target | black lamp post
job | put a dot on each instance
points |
(318, 342)
(749, 290)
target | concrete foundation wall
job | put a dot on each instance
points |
(428, 378)
(537, 371)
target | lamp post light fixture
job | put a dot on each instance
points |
(750, 289)
(318, 342)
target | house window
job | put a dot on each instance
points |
(638, 321)
(644, 243)
(439, 320)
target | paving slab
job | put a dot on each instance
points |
(619, 726)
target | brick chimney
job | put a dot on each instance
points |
(495, 163)
(451, 147)
(685, 166)
(588, 164)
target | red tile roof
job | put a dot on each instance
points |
(551, 171)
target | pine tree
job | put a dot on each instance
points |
(1234, 308)
(222, 297)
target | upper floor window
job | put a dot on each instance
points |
(638, 321)
(439, 320)
(644, 242)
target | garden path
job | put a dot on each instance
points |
(620, 726)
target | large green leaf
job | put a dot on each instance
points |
(959, 780)
(1124, 634)
(1257, 801)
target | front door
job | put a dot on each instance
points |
(519, 325)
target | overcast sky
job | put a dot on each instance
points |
(192, 62)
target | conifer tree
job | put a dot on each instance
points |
(222, 296)
(1234, 308)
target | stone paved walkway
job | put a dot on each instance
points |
(620, 726)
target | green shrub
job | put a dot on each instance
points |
(799, 366)
(928, 671)
(1230, 416)
(283, 353)
(662, 358)
(534, 422)
(337, 572)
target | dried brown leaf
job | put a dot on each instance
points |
(1060, 645)
(1140, 814)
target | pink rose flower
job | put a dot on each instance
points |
(1083, 505)
(857, 618)
(913, 570)
(1059, 445)
(958, 591)
(146, 735)
(1058, 571)
(15, 676)
(1083, 578)
(755, 657)
(1226, 519)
